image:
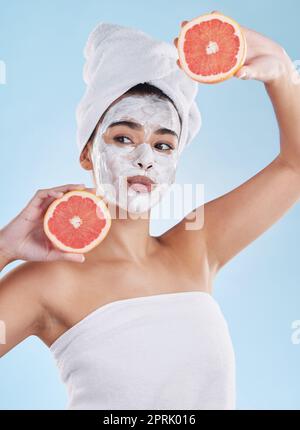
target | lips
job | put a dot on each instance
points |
(140, 183)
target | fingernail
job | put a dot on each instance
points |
(243, 75)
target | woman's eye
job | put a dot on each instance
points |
(119, 139)
(165, 148)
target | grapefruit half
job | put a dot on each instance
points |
(211, 48)
(77, 222)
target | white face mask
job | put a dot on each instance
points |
(114, 161)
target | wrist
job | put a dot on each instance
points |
(5, 256)
(4, 261)
(287, 75)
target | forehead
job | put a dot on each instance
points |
(146, 109)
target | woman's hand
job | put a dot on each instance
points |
(24, 238)
(266, 61)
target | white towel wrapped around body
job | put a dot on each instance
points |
(165, 351)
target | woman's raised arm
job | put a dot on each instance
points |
(234, 220)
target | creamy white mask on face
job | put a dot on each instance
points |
(114, 161)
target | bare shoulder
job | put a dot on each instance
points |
(34, 275)
(25, 294)
(34, 285)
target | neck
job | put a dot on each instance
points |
(128, 237)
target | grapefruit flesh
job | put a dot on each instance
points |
(77, 222)
(211, 48)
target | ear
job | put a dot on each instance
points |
(85, 159)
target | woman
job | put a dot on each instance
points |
(135, 326)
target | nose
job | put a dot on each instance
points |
(145, 166)
(144, 159)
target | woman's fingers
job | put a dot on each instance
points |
(175, 41)
(69, 187)
(42, 199)
(55, 255)
(243, 73)
(91, 190)
(178, 63)
(41, 195)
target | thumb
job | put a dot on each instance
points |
(76, 258)
(244, 73)
(55, 255)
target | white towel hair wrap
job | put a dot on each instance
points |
(118, 58)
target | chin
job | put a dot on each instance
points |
(144, 202)
(136, 202)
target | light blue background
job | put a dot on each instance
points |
(41, 43)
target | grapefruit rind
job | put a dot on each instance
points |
(98, 201)
(241, 57)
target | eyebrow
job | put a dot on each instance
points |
(137, 126)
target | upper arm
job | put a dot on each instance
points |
(237, 218)
(21, 310)
(234, 220)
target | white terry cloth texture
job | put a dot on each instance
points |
(118, 58)
(166, 351)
